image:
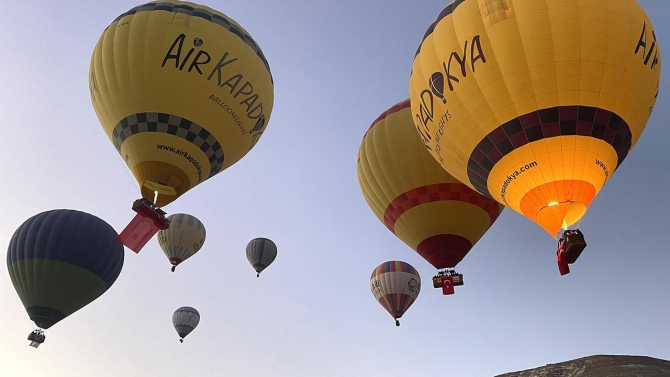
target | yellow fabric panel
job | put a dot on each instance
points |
(566, 158)
(563, 158)
(500, 60)
(442, 217)
(393, 163)
(168, 62)
(140, 151)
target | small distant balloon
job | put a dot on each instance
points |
(261, 252)
(183, 239)
(395, 285)
(185, 320)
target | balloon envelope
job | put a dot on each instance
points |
(410, 193)
(60, 261)
(185, 320)
(395, 285)
(261, 252)
(541, 102)
(183, 238)
(182, 91)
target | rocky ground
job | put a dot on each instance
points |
(600, 366)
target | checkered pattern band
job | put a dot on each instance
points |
(437, 192)
(545, 123)
(173, 125)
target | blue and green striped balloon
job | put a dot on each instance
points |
(60, 261)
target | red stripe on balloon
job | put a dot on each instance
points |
(400, 106)
(435, 193)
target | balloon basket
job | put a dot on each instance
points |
(145, 208)
(574, 244)
(36, 338)
(456, 278)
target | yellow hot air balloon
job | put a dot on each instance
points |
(536, 103)
(182, 91)
(428, 209)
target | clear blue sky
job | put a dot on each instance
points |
(337, 64)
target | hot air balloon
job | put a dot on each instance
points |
(185, 320)
(428, 209)
(60, 261)
(183, 239)
(182, 92)
(261, 252)
(395, 285)
(543, 100)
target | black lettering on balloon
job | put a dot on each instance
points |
(461, 62)
(643, 39)
(232, 82)
(642, 44)
(217, 68)
(249, 89)
(260, 123)
(248, 102)
(197, 62)
(480, 53)
(256, 112)
(655, 61)
(188, 55)
(425, 115)
(202, 57)
(179, 42)
(199, 58)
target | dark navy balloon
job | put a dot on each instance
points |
(60, 261)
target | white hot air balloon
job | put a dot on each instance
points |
(182, 239)
(261, 252)
(185, 320)
(395, 285)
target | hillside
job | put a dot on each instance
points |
(600, 366)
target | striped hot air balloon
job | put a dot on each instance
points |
(183, 239)
(536, 103)
(182, 91)
(185, 320)
(395, 285)
(424, 206)
(61, 260)
(261, 252)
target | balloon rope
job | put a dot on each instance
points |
(126, 168)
